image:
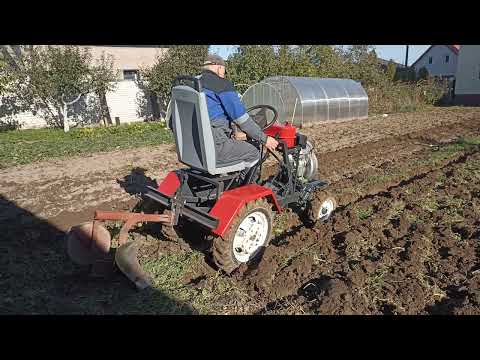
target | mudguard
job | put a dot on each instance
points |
(170, 184)
(231, 201)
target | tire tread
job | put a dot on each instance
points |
(222, 246)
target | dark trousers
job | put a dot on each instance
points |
(230, 151)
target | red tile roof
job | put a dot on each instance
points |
(454, 48)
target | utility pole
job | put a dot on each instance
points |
(406, 57)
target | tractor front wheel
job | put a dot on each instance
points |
(247, 237)
(321, 207)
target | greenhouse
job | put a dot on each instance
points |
(305, 101)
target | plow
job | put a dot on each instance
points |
(89, 244)
(231, 203)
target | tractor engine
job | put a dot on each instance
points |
(307, 163)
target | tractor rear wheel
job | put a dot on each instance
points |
(321, 207)
(247, 237)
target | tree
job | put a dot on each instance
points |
(12, 55)
(251, 64)
(325, 61)
(391, 70)
(363, 65)
(50, 79)
(3, 76)
(286, 61)
(423, 73)
(102, 76)
(179, 60)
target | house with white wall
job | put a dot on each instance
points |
(467, 85)
(384, 63)
(124, 102)
(440, 61)
(128, 59)
(127, 103)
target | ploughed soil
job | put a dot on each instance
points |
(412, 248)
(404, 239)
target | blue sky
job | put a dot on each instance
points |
(387, 52)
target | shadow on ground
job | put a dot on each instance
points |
(37, 277)
(136, 182)
(193, 235)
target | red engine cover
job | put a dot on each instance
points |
(287, 133)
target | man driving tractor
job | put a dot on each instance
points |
(234, 213)
(225, 108)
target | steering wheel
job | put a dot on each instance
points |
(261, 117)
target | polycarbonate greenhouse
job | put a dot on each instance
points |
(305, 101)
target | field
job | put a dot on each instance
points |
(405, 238)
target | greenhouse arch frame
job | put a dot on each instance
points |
(306, 101)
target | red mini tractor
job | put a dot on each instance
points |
(236, 212)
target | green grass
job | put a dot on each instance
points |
(414, 219)
(378, 179)
(396, 209)
(176, 297)
(429, 204)
(18, 147)
(363, 214)
(469, 141)
(376, 279)
(446, 152)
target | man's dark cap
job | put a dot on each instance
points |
(213, 59)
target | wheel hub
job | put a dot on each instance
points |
(326, 210)
(250, 236)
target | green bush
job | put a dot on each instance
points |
(423, 73)
(398, 96)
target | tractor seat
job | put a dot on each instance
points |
(193, 133)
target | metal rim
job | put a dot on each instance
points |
(326, 209)
(312, 164)
(250, 236)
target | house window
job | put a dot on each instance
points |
(447, 58)
(131, 75)
(430, 60)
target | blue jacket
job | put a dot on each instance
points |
(222, 100)
(225, 106)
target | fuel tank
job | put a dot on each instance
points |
(287, 133)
